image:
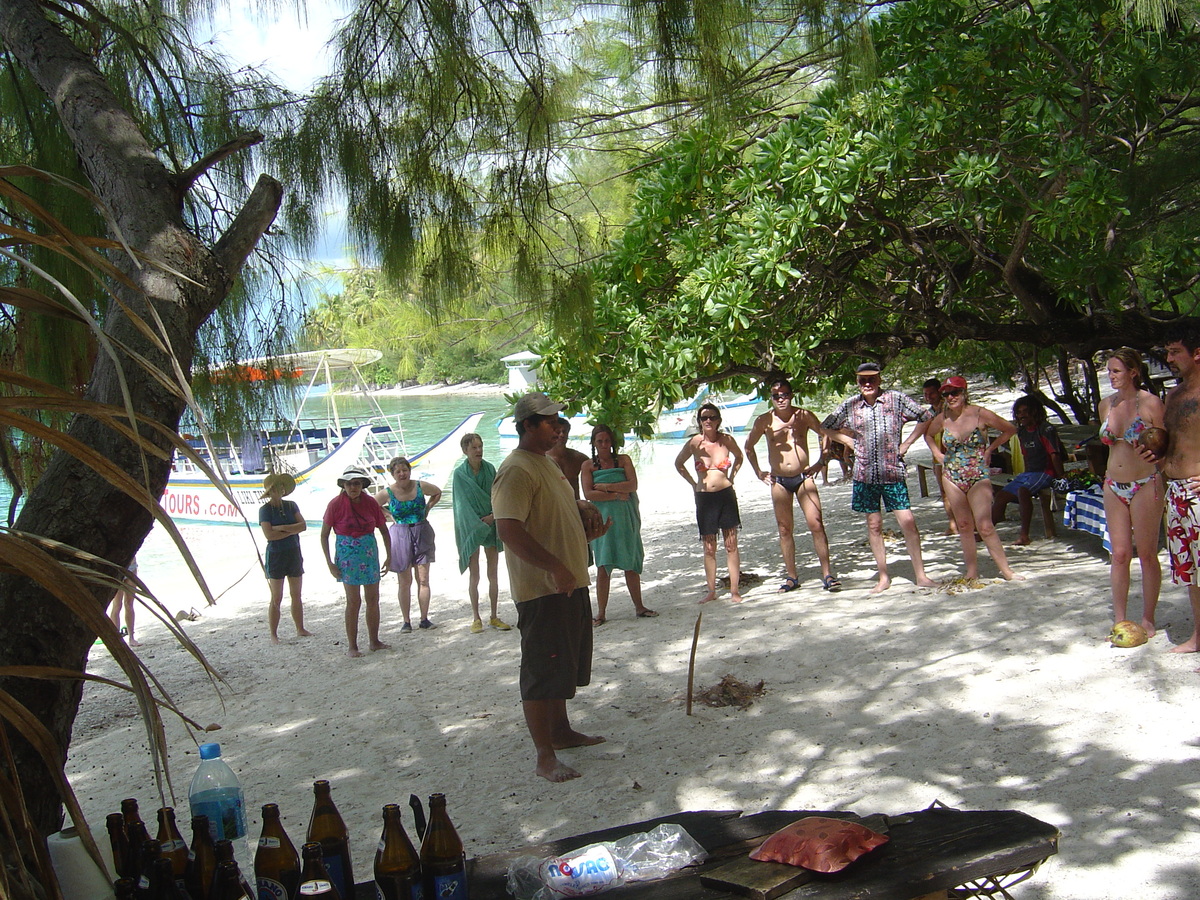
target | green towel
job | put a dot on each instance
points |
(471, 493)
(621, 548)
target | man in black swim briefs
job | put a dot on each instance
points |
(786, 428)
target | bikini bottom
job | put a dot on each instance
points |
(1125, 491)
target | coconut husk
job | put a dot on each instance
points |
(731, 692)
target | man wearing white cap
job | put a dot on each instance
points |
(545, 531)
(872, 422)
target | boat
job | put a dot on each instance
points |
(677, 422)
(315, 452)
(191, 496)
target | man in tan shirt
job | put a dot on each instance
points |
(545, 531)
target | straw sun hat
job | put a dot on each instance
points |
(278, 479)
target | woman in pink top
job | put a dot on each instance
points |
(353, 515)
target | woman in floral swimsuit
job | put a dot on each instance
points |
(966, 474)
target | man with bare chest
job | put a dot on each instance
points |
(786, 429)
(1181, 465)
(568, 460)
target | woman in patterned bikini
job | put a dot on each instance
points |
(1133, 488)
(966, 474)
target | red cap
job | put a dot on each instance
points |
(954, 381)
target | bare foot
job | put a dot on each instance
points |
(274, 639)
(646, 613)
(597, 622)
(926, 581)
(556, 773)
(735, 597)
(576, 739)
(379, 645)
(883, 584)
(1022, 541)
(304, 632)
(133, 643)
(354, 653)
(709, 597)
(1189, 647)
(1010, 575)
(1149, 626)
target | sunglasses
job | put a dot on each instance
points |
(952, 392)
(870, 379)
(710, 418)
(775, 396)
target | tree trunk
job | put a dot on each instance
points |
(71, 503)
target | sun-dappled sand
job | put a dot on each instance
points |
(1002, 696)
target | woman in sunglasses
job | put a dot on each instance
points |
(966, 469)
(717, 459)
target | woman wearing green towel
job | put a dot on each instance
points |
(474, 525)
(608, 479)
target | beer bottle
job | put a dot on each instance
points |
(228, 883)
(174, 847)
(135, 835)
(397, 866)
(327, 829)
(150, 852)
(315, 883)
(443, 862)
(163, 885)
(224, 851)
(119, 842)
(276, 863)
(202, 860)
(123, 888)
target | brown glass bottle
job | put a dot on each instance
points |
(123, 888)
(397, 866)
(327, 829)
(315, 883)
(135, 835)
(224, 851)
(228, 883)
(119, 842)
(443, 863)
(202, 861)
(163, 885)
(276, 863)
(174, 847)
(150, 852)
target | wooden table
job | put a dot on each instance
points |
(931, 853)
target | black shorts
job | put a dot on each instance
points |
(717, 511)
(556, 645)
(283, 562)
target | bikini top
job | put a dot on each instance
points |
(407, 512)
(1136, 427)
(723, 466)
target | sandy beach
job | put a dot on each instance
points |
(1007, 696)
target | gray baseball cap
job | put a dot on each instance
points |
(535, 404)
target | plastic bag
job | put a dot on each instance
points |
(598, 867)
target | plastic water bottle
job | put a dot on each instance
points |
(217, 793)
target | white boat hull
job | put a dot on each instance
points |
(193, 497)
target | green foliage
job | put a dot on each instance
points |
(1012, 175)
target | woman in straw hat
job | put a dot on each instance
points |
(353, 515)
(282, 523)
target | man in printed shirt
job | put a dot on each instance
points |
(873, 424)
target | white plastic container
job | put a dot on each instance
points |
(216, 792)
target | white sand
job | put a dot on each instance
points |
(1004, 697)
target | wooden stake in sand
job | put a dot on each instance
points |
(692, 661)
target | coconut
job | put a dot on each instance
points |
(1154, 440)
(1127, 634)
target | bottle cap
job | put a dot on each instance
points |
(210, 751)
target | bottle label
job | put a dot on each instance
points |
(450, 887)
(226, 817)
(584, 873)
(270, 843)
(170, 846)
(337, 873)
(269, 889)
(315, 887)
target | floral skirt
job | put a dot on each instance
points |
(357, 558)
